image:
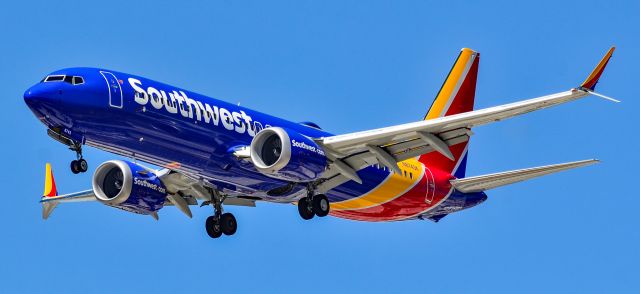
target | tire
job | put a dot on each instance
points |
(213, 227)
(83, 166)
(320, 205)
(228, 224)
(75, 167)
(303, 208)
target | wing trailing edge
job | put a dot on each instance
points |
(490, 181)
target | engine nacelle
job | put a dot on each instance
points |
(128, 186)
(287, 155)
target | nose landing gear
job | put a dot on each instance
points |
(80, 165)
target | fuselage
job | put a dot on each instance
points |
(171, 127)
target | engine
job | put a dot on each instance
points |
(128, 186)
(287, 155)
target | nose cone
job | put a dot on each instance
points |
(44, 102)
(40, 95)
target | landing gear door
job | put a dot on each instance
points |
(115, 90)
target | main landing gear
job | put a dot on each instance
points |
(313, 205)
(80, 165)
(220, 223)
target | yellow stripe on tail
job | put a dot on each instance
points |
(464, 69)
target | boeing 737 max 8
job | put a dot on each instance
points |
(220, 154)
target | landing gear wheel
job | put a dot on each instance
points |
(228, 224)
(75, 167)
(214, 230)
(320, 205)
(79, 165)
(305, 210)
(82, 164)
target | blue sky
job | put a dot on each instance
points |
(349, 66)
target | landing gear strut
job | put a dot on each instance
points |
(220, 223)
(313, 205)
(79, 165)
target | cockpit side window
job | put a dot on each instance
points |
(68, 79)
(54, 78)
(78, 80)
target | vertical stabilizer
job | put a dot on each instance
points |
(456, 95)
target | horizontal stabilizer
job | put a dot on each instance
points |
(490, 181)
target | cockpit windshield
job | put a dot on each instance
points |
(74, 80)
(56, 78)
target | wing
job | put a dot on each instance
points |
(389, 136)
(388, 146)
(183, 191)
(49, 203)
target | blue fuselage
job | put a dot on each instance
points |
(168, 126)
(202, 137)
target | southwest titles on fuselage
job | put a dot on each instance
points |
(178, 102)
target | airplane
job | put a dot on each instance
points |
(210, 152)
